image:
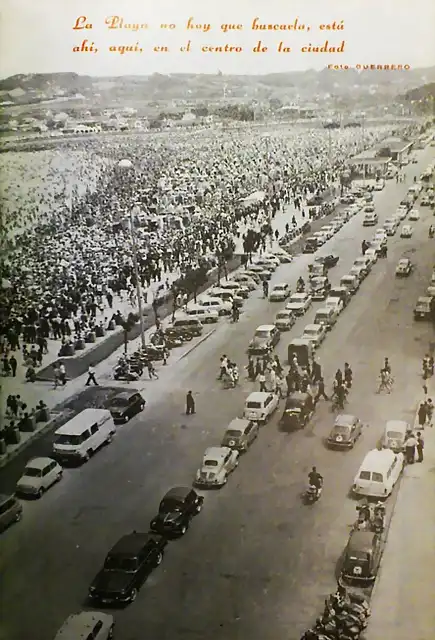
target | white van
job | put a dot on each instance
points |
(326, 316)
(379, 472)
(80, 437)
(395, 434)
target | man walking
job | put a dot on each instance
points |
(420, 447)
(62, 374)
(320, 390)
(13, 362)
(190, 404)
(91, 376)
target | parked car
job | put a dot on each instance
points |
(11, 510)
(370, 219)
(365, 263)
(284, 319)
(311, 245)
(361, 559)
(315, 333)
(245, 280)
(372, 255)
(125, 405)
(260, 405)
(395, 434)
(38, 476)
(369, 208)
(217, 304)
(414, 215)
(280, 291)
(404, 267)
(282, 255)
(87, 625)
(406, 231)
(216, 466)
(227, 295)
(402, 212)
(177, 508)
(345, 432)
(126, 567)
(299, 303)
(329, 261)
(240, 434)
(422, 310)
(205, 315)
(266, 337)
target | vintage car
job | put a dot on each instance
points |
(205, 315)
(240, 434)
(395, 434)
(317, 269)
(334, 303)
(422, 310)
(265, 338)
(280, 292)
(94, 625)
(404, 267)
(345, 432)
(299, 303)
(299, 408)
(217, 464)
(414, 215)
(406, 231)
(303, 350)
(177, 508)
(319, 288)
(126, 405)
(284, 320)
(315, 333)
(260, 405)
(361, 559)
(38, 476)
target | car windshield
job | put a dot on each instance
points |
(360, 262)
(394, 434)
(234, 433)
(282, 315)
(311, 332)
(32, 472)
(262, 334)
(296, 300)
(210, 463)
(403, 263)
(69, 440)
(251, 404)
(364, 475)
(120, 402)
(279, 287)
(340, 429)
(121, 563)
(169, 505)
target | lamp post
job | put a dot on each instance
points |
(127, 165)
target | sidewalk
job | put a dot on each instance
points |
(403, 597)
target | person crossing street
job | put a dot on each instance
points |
(91, 376)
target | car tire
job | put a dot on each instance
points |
(111, 632)
(40, 493)
(133, 595)
(159, 558)
(183, 529)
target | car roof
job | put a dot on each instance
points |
(280, 284)
(177, 493)
(39, 463)
(265, 327)
(215, 452)
(125, 395)
(297, 397)
(361, 541)
(299, 296)
(238, 424)
(344, 420)
(79, 625)
(404, 260)
(258, 396)
(131, 543)
(316, 327)
(82, 421)
(424, 299)
(391, 424)
(377, 460)
(299, 342)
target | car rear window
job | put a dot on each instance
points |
(377, 477)
(253, 405)
(364, 475)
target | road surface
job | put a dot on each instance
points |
(255, 563)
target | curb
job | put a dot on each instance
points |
(203, 339)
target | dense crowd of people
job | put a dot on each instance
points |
(67, 237)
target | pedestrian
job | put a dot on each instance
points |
(429, 411)
(258, 368)
(420, 447)
(56, 375)
(339, 377)
(410, 445)
(320, 390)
(250, 369)
(422, 415)
(13, 362)
(62, 374)
(91, 376)
(262, 381)
(348, 375)
(165, 355)
(152, 373)
(190, 404)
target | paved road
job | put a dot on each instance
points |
(256, 563)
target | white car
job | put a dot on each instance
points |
(39, 475)
(372, 255)
(217, 464)
(379, 185)
(280, 291)
(359, 271)
(282, 255)
(364, 262)
(260, 405)
(315, 333)
(205, 315)
(328, 230)
(406, 231)
(402, 212)
(370, 219)
(414, 215)
(334, 303)
(284, 320)
(299, 303)
(354, 209)
(223, 308)
(404, 267)
(267, 263)
(245, 281)
(87, 624)
(272, 258)
(390, 227)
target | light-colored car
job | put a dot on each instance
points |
(430, 291)
(86, 625)
(404, 267)
(284, 320)
(359, 271)
(379, 185)
(406, 231)
(271, 257)
(228, 295)
(390, 227)
(38, 476)
(206, 315)
(315, 333)
(267, 263)
(370, 219)
(240, 434)
(260, 405)
(299, 303)
(372, 255)
(414, 215)
(217, 464)
(328, 230)
(380, 233)
(266, 337)
(402, 212)
(363, 262)
(369, 208)
(245, 281)
(261, 272)
(334, 303)
(282, 255)
(280, 292)
(223, 308)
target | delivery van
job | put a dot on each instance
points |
(378, 473)
(83, 435)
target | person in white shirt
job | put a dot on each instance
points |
(91, 376)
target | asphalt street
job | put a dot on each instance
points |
(255, 563)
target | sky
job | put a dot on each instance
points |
(37, 36)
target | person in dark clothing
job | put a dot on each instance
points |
(420, 447)
(316, 372)
(190, 404)
(13, 362)
(91, 376)
(320, 390)
(339, 377)
(348, 375)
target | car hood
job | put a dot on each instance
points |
(339, 437)
(112, 581)
(259, 342)
(231, 440)
(295, 305)
(168, 518)
(205, 473)
(118, 411)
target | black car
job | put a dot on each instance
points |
(361, 559)
(311, 245)
(176, 510)
(126, 568)
(126, 405)
(330, 261)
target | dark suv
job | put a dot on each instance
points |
(126, 568)
(126, 405)
(176, 510)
